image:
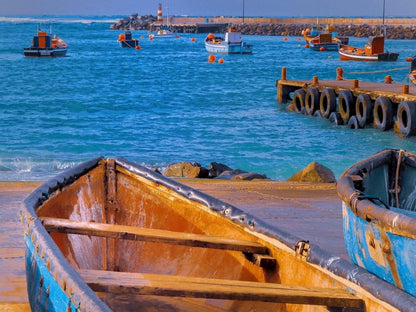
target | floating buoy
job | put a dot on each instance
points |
(211, 58)
(307, 46)
(285, 38)
(150, 38)
(137, 47)
(121, 37)
(141, 37)
(299, 39)
(221, 60)
(322, 49)
(329, 56)
(193, 39)
(409, 59)
(177, 36)
(210, 36)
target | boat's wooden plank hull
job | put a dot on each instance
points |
(121, 193)
(178, 286)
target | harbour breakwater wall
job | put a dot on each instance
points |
(396, 28)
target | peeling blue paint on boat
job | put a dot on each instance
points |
(44, 292)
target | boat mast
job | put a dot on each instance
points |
(243, 10)
(384, 9)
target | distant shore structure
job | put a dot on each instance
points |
(396, 28)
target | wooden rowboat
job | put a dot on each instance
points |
(379, 214)
(109, 235)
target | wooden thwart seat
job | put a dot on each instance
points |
(151, 235)
(185, 286)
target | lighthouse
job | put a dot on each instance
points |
(159, 14)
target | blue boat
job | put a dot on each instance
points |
(127, 41)
(231, 44)
(379, 216)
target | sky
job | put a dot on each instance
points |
(275, 8)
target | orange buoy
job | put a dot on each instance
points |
(409, 59)
(193, 39)
(285, 38)
(150, 38)
(138, 47)
(121, 37)
(322, 49)
(299, 39)
(177, 36)
(210, 36)
(221, 60)
(211, 58)
(141, 37)
(307, 46)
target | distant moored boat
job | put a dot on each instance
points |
(232, 43)
(44, 45)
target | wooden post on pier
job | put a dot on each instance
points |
(315, 79)
(355, 83)
(405, 89)
(283, 73)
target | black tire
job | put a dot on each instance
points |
(335, 117)
(383, 113)
(317, 114)
(299, 100)
(406, 116)
(312, 100)
(328, 102)
(364, 110)
(353, 123)
(346, 105)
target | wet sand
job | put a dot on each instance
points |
(309, 211)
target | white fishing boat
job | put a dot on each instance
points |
(231, 44)
(160, 31)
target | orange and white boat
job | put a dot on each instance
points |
(373, 51)
(43, 44)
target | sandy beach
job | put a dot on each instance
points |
(309, 211)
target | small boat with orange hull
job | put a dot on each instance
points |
(110, 235)
(43, 44)
(373, 51)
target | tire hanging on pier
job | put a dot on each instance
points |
(327, 102)
(335, 117)
(346, 105)
(299, 100)
(406, 116)
(353, 123)
(364, 110)
(383, 113)
(312, 100)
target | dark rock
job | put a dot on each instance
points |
(238, 174)
(215, 169)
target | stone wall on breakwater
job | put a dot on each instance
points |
(396, 28)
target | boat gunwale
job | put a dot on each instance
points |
(391, 221)
(341, 268)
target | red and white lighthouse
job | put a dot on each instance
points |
(159, 14)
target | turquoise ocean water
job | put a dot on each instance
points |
(165, 103)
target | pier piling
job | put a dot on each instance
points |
(358, 103)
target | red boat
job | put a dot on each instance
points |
(373, 51)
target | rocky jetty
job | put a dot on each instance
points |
(143, 22)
